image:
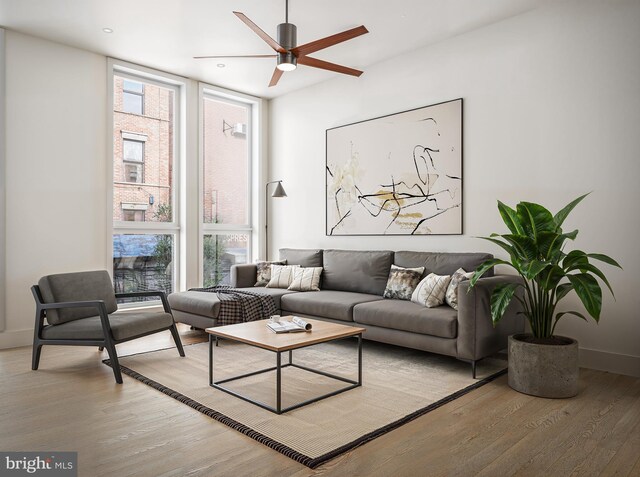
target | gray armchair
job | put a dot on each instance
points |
(79, 308)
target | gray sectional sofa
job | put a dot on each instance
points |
(352, 285)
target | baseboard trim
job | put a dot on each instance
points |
(612, 362)
(16, 338)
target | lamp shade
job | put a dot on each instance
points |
(279, 192)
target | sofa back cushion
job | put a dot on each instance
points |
(442, 263)
(80, 286)
(302, 256)
(356, 270)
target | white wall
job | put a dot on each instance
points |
(551, 110)
(56, 99)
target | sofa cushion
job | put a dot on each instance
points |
(302, 256)
(207, 303)
(408, 316)
(127, 324)
(325, 303)
(442, 263)
(356, 270)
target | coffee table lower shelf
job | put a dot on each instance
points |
(278, 409)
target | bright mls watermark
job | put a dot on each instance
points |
(55, 464)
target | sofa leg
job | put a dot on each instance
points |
(473, 368)
(100, 348)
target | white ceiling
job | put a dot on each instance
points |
(166, 34)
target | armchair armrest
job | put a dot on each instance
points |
(243, 276)
(159, 293)
(477, 337)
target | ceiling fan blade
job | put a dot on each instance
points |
(329, 41)
(276, 77)
(325, 65)
(234, 56)
(270, 41)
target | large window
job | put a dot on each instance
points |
(145, 226)
(226, 178)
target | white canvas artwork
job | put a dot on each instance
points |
(397, 175)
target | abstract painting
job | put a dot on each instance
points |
(399, 174)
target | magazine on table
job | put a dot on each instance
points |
(296, 325)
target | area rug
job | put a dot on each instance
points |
(399, 385)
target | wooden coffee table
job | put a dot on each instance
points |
(256, 333)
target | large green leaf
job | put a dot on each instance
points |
(533, 268)
(562, 291)
(562, 215)
(484, 267)
(550, 243)
(573, 258)
(525, 246)
(604, 258)
(534, 219)
(508, 248)
(589, 292)
(510, 218)
(588, 267)
(550, 277)
(500, 298)
(575, 313)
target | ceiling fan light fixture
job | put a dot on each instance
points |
(287, 61)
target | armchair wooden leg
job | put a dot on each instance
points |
(115, 364)
(176, 338)
(35, 359)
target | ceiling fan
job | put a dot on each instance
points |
(289, 54)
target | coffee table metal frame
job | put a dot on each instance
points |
(278, 409)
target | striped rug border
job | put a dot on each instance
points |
(284, 449)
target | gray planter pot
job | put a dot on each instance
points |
(544, 370)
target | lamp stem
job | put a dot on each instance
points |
(286, 11)
(266, 222)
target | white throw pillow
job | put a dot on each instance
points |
(431, 290)
(306, 279)
(451, 297)
(281, 276)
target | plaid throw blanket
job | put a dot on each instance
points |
(239, 306)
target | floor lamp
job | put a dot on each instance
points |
(279, 192)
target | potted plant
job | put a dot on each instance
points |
(541, 363)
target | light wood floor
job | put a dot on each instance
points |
(72, 403)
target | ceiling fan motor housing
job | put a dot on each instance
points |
(287, 38)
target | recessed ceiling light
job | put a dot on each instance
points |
(221, 65)
(107, 30)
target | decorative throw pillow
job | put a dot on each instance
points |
(281, 276)
(306, 279)
(402, 282)
(263, 274)
(431, 290)
(451, 297)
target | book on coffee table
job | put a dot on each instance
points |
(296, 325)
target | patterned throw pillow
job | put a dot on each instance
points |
(402, 282)
(451, 297)
(281, 276)
(263, 274)
(306, 279)
(431, 290)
